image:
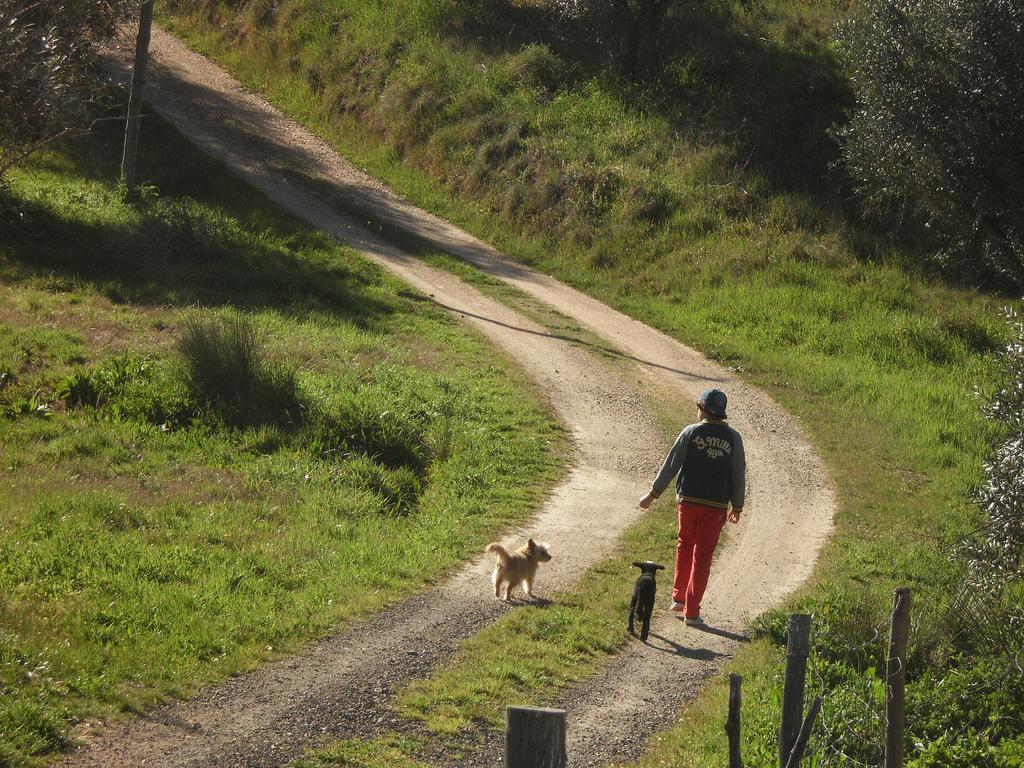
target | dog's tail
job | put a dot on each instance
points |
(499, 550)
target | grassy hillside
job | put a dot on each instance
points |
(154, 537)
(702, 200)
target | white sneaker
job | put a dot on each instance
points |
(677, 607)
(693, 621)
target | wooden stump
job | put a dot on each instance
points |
(535, 738)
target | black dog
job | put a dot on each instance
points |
(642, 604)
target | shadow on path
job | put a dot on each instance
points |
(712, 630)
(677, 649)
(609, 351)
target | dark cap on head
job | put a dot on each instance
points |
(713, 401)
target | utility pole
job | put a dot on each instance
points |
(131, 135)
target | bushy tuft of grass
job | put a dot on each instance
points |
(80, 390)
(397, 488)
(178, 230)
(367, 423)
(130, 386)
(226, 369)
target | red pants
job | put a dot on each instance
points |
(699, 527)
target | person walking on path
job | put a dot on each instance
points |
(709, 467)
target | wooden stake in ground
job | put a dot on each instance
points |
(896, 678)
(805, 734)
(797, 648)
(535, 738)
(732, 725)
(131, 134)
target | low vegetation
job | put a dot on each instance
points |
(220, 435)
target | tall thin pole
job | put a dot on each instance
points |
(732, 725)
(131, 135)
(895, 678)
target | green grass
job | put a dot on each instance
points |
(701, 202)
(386, 752)
(534, 652)
(149, 544)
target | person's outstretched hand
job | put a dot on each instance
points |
(647, 500)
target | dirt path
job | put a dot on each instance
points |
(338, 687)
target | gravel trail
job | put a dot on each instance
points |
(338, 687)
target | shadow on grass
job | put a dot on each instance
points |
(167, 260)
(236, 250)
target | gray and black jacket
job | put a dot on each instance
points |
(708, 462)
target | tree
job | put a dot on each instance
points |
(936, 142)
(49, 82)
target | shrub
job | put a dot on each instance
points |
(994, 587)
(225, 370)
(997, 556)
(48, 82)
(935, 139)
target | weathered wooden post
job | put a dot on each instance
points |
(797, 648)
(535, 738)
(805, 734)
(131, 134)
(732, 725)
(896, 678)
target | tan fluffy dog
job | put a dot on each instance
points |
(519, 567)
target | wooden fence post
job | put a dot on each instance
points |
(896, 678)
(805, 734)
(535, 738)
(131, 134)
(732, 725)
(797, 649)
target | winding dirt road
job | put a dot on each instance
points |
(339, 687)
